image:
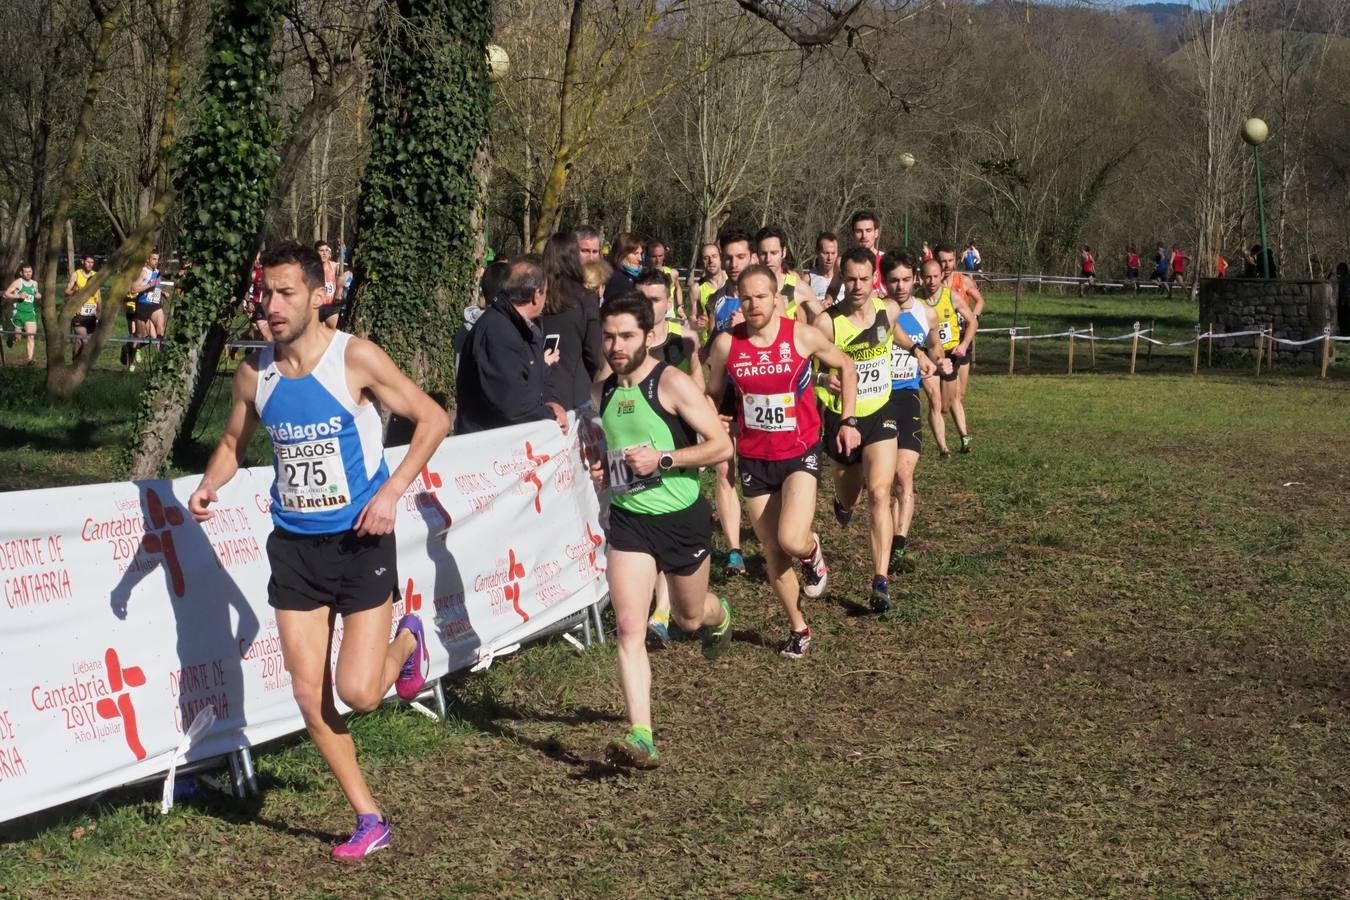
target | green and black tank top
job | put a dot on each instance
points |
(634, 417)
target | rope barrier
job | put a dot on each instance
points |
(1145, 335)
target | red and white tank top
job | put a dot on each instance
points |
(776, 408)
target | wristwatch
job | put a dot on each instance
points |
(850, 421)
(667, 462)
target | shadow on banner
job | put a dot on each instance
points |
(207, 665)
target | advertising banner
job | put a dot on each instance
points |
(121, 618)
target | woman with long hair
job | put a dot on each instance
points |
(626, 258)
(572, 314)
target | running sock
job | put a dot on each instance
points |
(642, 733)
(810, 558)
(662, 616)
(726, 615)
(898, 544)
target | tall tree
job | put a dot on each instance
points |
(225, 183)
(415, 259)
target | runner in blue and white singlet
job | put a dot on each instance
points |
(334, 504)
(908, 371)
(328, 448)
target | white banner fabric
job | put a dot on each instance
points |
(122, 618)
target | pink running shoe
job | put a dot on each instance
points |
(413, 675)
(372, 833)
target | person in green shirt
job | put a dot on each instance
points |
(653, 415)
(24, 294)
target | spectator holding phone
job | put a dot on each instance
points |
(505, 378)
(571, 321)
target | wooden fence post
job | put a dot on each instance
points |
(1195, 356)
(1072, 333)
(1012, 347)
(1134, 347)
(1092, 346)
(1326, 348)
(1209, 347)
(1260, 349)
(1149, 352)
(1029, 333)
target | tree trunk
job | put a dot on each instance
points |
(415, 264)
(53, 316)
(555, 186)
(226, 187)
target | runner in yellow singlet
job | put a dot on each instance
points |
(948, 311)
(799, 300)
(86, 320)
(656, 262)
(963, 288)
(864, 326)
(710, 255)
(671, 345)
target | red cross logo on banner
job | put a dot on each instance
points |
(412, 601)
(431, 482)
(514, 570)
(160, 541)
(533, 476)
(119, 707)
(595, 540)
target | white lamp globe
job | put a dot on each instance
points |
(1255, 131)
(499, 62)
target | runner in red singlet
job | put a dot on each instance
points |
(767, 359)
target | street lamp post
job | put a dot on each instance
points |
(1254, 132)
(906, 163)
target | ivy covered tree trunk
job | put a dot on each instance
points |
(415, 259)
(225, 183)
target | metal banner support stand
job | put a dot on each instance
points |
(250, 782)
(599, 623)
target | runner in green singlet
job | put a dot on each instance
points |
(23, 292)
(653, 415)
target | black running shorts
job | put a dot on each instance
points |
(908, 419)
(329, 309)
(145, 310)
(88, 323)
(766, 476)
(346, 571)
(679, 541)
(958, 360)
(875, 428)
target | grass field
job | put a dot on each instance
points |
(1119, 669)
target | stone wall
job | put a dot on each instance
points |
(1295, 310)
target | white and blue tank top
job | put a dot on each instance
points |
(153, 293)
(904, 364)
(328, 449)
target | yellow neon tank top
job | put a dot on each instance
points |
(870, 349)
(91, 303)
(948, 329)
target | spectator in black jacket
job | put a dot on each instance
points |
(573, 314)
(489, 286)
(504, 377)
(626, 258)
